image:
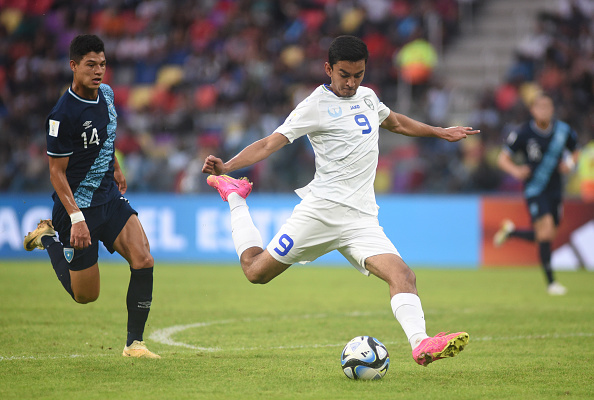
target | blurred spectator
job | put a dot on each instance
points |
(416, 61)
(191, 179)
(586, 172)
(183, 71)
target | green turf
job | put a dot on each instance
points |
(235, 340)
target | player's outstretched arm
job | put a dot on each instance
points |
(253, 153)
(399, 123)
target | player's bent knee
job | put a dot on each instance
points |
(255, 274)
(145, 262)
(410, 275)
(257, 277)
(404, 272)
(85, 299)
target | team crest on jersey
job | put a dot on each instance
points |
(334, 111)
(68, 254)
(369, 103)
(54, 126)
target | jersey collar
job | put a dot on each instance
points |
(96, 101)
(326, 87)
(542, 132)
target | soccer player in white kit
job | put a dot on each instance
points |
(338, 210)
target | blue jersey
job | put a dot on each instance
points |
(543, 150)
(85, 131)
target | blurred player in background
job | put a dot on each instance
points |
(338, 210)
(88, 201)
(549, 148)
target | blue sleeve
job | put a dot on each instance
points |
(58, 135)
(514, 141)
(572, 141)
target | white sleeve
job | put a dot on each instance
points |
(383, 112)
(303, 120)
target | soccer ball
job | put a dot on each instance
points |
(365, 357)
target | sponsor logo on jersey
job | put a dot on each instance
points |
(369, 103)
(533, 150)
(68, 254)
(87, 124)
(53, 127)
(334, 111)
(355, 107)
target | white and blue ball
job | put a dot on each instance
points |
(366, 358)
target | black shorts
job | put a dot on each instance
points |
(545, 204)
(105, 223)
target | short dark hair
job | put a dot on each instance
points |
(347, 48)
(84, 44)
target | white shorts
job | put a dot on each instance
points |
(318, 226)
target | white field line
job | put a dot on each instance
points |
(164, 336)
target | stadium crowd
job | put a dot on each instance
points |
(193, 78)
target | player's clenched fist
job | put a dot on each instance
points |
(213, 165)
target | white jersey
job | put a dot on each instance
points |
(344, 134)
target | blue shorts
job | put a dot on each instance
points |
(544, 204)
(105, 222)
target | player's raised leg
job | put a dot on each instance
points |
(133, 245)
(257, 264)
(508, 230)
(44, 237)
(407, 309)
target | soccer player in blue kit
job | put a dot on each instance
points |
(549, 148)
(88, 202)
(338, 210)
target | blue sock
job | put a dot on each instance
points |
(55, 249)
(138, 301)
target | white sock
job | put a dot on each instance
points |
(409, 312)
(244, 232)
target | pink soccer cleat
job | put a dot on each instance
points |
(439, 346)
(227, 185)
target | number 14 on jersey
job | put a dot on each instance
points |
(93, 140)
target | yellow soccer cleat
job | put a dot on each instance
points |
(502, 234)
(138, 350)
(33, 239)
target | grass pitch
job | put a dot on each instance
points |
(223, 338)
